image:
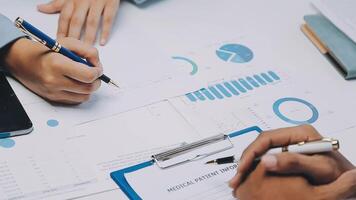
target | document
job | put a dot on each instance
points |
(67, 163)
(193, 180)
(145, 72)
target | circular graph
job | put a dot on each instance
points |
(192, 63)
(235, 53)
(302, 111)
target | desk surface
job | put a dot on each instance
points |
(188, 26)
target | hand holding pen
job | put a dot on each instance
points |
(52, 44)
(323, 145)
(329, 174)
(51, 75)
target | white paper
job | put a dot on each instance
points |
(176, 28)
(144, 71)
(193, 180)
(341, 13)
(60, 163)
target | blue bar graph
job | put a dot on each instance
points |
(231, 88)
(259, 79)
(235, 87)
(207, 93)
(238, 86)
(223, 90)
(215, 92)
(252, 82)
(199, 95)
(266, 77)
(274, 75)
(191, 97)
(245, 84)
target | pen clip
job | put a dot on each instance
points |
(335, 143)
(18, 24)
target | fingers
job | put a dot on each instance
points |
(75, 13)
(77, 87)
(82, 49)
(51, 7)
(320, 169)
(64, 19)
(93, 21)
(270, 139)
(78, 18)
(71, 82)
(344, 187)
(108, 19)
(81, 72)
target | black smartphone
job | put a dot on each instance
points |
(13, 118)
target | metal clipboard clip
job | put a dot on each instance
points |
(194, 151)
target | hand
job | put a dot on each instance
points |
(52, 75)
(261, 185)
(318, 168)
(77, 14)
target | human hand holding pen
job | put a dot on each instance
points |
(52, 75)
(312, 174)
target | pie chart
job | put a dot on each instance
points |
(235, 53)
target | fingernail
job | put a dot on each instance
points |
(269, 161)
(102, 42)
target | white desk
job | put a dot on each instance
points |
(187, 26)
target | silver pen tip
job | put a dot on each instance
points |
(113, 84)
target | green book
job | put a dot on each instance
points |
(339, 45)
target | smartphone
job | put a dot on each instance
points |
(14, 120)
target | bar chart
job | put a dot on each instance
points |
(234, 87)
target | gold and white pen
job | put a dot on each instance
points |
(312, 147)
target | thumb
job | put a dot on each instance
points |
(319, 168)
(51, 7)
(344, 187)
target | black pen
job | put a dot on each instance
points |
(52, 44)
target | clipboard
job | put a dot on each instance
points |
(175, 157)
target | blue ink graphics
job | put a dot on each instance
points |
(192, 63)
(235, 53)
(7, 143)
(235, 87)
(279, 102)
(52, 123)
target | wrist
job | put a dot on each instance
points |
(15, 52)
(22, 55)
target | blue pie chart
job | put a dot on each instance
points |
(235, 53)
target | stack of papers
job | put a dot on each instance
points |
(334, 32)
(341, 13)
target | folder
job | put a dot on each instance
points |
(188, 156)
(332, 42)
